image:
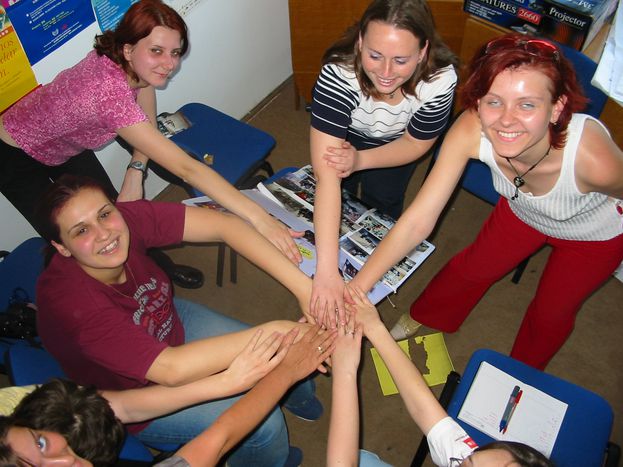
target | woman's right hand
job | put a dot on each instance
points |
(256, 360)
(327, 299)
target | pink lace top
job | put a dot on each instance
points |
(82, 108)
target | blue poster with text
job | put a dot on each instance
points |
(44, 25)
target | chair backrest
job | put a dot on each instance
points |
(237, 149)
(477, 176)
(587, 424)
(21, 268)
(31, 365)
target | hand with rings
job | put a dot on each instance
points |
(308, 353)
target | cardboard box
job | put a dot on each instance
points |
(575, 22)
(523, 16)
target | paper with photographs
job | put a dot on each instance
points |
(291, 200)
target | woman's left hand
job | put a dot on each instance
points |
(256, 360)
(342, 159)
(280, 236)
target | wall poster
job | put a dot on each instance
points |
(45, 25)
(16, 76)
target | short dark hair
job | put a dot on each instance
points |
(58, 194)
(524, 455)
(80, 414)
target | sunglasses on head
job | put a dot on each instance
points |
(535, 47)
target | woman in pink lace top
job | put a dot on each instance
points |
(111, 93)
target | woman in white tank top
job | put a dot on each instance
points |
(560, 177)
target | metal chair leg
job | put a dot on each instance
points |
(220, 264)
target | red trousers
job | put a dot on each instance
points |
(573, 271)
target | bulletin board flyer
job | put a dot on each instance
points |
(16, 76)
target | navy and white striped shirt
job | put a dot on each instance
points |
(340, 109)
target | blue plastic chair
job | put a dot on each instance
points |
(34, 365)
(476, 177)
(238, 149)
(19, 270)
(583, 439)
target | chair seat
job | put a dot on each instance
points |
(238, 150)
(588, 419)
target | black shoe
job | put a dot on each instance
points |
(184, 276)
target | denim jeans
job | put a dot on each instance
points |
(369, 459)
(267, 445)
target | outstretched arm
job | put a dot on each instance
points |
(418, 398)
(203, 225)
(328, 286)
(255, 361)
(416, 223)
(177, 366)
(343, 443)
(236, 422)
(147, 139)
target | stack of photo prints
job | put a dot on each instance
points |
(290, 198)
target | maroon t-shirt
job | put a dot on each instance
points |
(109, 336)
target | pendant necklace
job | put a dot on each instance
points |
(518, 181)
(392, 94)
(133, 281)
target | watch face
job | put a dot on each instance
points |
(138, 165)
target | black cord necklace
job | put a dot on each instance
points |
(518, 181)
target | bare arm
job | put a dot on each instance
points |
(399, 152)
(343, 443)
(203, 225)
(416, 223)
(302, 358)
(176, 366)
(148, 140)
(255, 361)
(132, 186)
(599, 163)
(419, 400)
(328, 285)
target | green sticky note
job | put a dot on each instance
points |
(388, 387)
(437, 359)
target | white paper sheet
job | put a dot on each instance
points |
(536, 420)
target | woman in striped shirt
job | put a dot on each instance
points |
(383, 97)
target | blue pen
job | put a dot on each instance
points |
(509, 408)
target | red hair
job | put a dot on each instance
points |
(137, 23)
(488, 63)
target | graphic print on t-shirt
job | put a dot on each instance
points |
(155, 313)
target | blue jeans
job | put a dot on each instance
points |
(369, 459)
(267, 445)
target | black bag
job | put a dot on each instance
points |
(19, 321)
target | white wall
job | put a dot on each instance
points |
(239, 53)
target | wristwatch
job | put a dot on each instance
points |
(138, 165)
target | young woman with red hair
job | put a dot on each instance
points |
(560, 177)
